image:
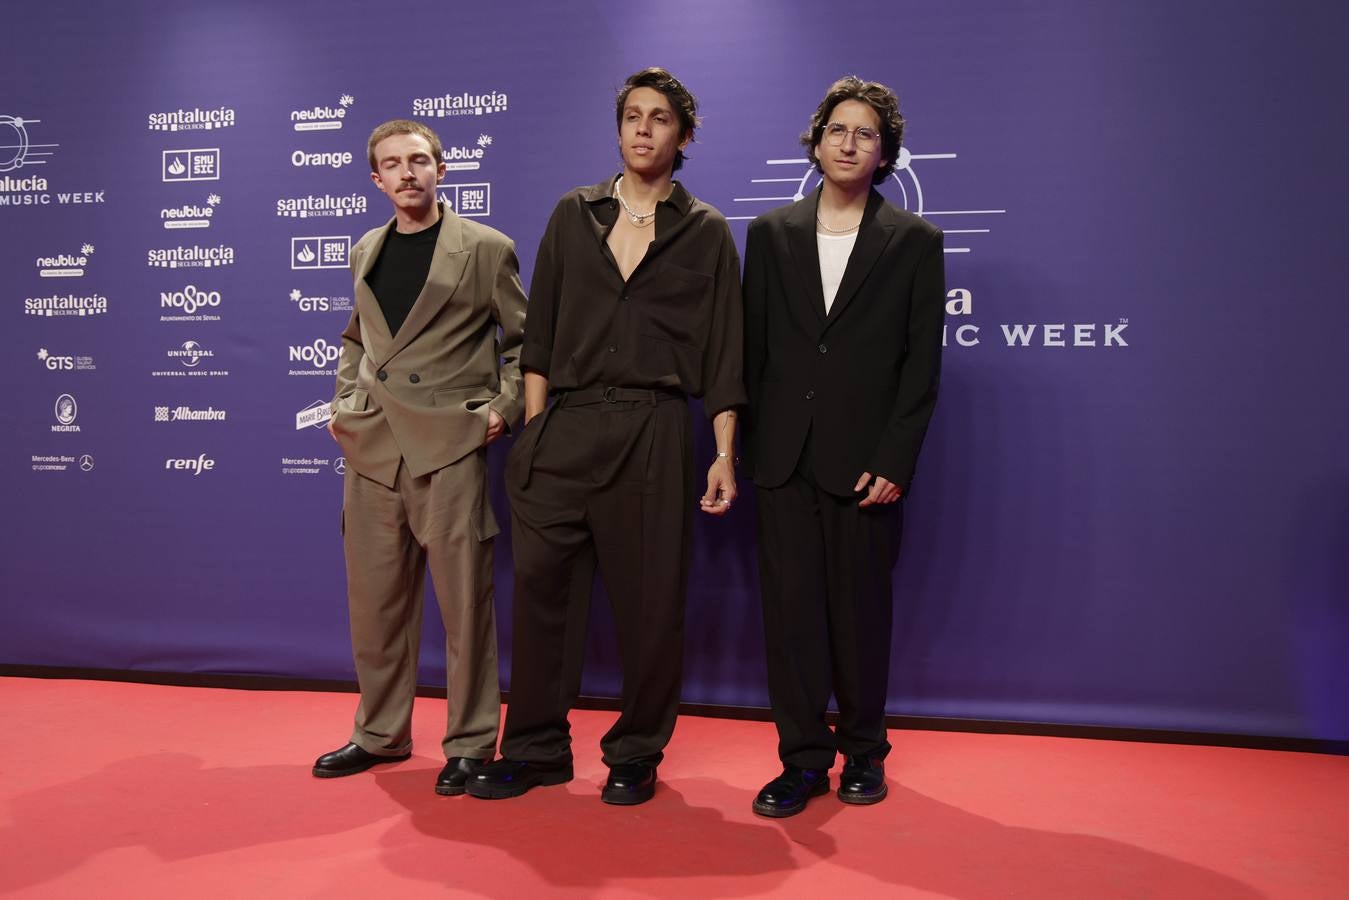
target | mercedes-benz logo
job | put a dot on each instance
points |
(86, 463)
(340, 465)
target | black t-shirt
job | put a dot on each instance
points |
(399, 274)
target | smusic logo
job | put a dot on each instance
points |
(467, 200)
(330, 252)
(191, 165)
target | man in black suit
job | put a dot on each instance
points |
(844, 296)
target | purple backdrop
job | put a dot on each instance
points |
(1138, 518)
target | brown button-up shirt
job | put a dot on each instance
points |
(675, 323)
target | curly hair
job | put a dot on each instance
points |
(874, 94)
(402, 126)
(684, 103)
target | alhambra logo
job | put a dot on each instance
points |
(465, 104)
(316, 205)
(322, 118)
(194, 119)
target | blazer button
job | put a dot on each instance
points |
(414, 378)
(810, 395)
(823, 349)
(613, 349)
(623, 296)
(382, 375)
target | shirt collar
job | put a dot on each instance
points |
(679, 197)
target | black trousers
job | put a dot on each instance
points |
(824, 570)
(604, 483)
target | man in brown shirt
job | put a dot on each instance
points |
(634, 305)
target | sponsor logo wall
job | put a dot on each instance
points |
(179, 230)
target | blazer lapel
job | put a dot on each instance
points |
(872, 235)
(442, 280)
(800, 227)
(367, 305)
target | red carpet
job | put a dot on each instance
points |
(116, 790)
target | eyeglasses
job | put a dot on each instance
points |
(864, 137)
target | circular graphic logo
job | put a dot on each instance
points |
(191, 354)
(86, 463)
(66, 410)
(340, 465)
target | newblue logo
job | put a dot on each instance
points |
(466, 159)
(190, 215)
(65, 265)
(322, 118)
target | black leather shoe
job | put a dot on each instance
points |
(349, 760)
(451, 780)
(862, 781)
(509, 778)
(629, 784)
(787, 794)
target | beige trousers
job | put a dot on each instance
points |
(442, 521)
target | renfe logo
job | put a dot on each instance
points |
(202, 463)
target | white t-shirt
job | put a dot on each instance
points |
(834, 251)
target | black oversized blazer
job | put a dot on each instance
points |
(861, 380)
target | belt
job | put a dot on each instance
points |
(591, 396)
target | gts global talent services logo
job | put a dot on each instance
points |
(194, 257)
(322, 118)
(55, 363)
(465, 104)
(194, 119)
(190, 215)
(315, 205)
(65, 265)
(320, 304)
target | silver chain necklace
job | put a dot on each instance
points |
(639, 220)
(820, 222)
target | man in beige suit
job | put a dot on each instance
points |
(428, 377)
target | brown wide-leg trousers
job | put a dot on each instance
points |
(443, 522)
